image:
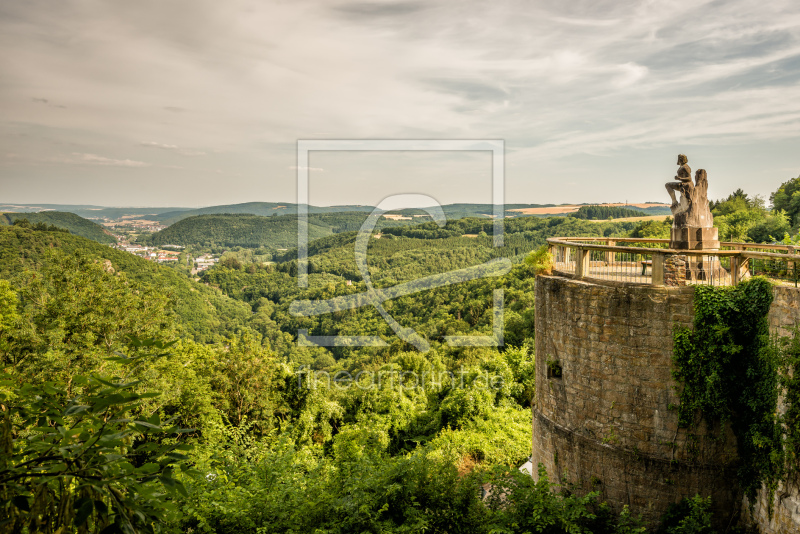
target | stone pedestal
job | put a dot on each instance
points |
(694, 238)
(680, 269)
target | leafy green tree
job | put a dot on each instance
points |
(653, 229)
(787, 198)
(8, 313)
(773, 228)
(74, 312)
(243, 381)
(689, 516)
(87, 462)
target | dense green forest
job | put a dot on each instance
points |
(138, 400)
(280, 231)
(606, 212)
(263, 209)
(69, 221)
(202, 312)
(227, 230)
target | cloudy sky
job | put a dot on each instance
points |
(189, 103)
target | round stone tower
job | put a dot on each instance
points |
(604, 417)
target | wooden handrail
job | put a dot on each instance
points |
(576, 242)
(582, 246)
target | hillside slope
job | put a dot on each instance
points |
(205, 313)
(76, 224)
(232, 230)
(264, 209)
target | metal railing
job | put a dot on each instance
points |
(650, 261)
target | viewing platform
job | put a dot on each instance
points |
(652, 262)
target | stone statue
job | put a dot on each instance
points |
(693, 224)
(684, 176)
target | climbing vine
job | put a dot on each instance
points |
(729, 369)
(790, 384)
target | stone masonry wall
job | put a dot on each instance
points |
(606, 422)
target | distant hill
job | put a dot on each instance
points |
(267, 209)
(264, 209)
(204, 312)
(69, 221)
(451, 211)
(232, 230)
(88, 211)
(168, 216)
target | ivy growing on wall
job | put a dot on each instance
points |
(790, 383)
(728, 367)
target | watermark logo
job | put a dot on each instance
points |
(375, 297)
(398, 379)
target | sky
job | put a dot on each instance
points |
(201, 102)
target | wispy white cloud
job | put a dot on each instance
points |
(175, 148)
(94, 159)
(558, 81)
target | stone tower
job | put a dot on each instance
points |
(604, 390)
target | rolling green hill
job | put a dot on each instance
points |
(69, 221)
(264, 209)
(205, 314)
(268, 209)
(232, 230)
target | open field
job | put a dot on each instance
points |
(633, 219)
(571, 208)
(553, 210)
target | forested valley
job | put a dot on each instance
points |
(136, 399)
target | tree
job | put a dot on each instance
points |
(787, 198)
(74, 312)
(773, 228)
(85, 463)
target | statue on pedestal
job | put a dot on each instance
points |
(693, 224)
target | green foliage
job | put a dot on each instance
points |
(773, 228)
(533, 230)
(517, 503)
(203, 312)
(606, 212)
(58, 220)
(789, 378)
(39, 226)
(254, 486)
(540, 260)
(689, 516)
(75, 311)
(229, 230)
(728, 371)
(280, 444)
(8, 306)
(738, 215)
(787, 198)
(653, 229)
(85, 463)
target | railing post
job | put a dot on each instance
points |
(739, 269)
(658, 269)
(582, 262)
(609, 256)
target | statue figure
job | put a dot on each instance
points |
(684, 175)
(693, 224)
